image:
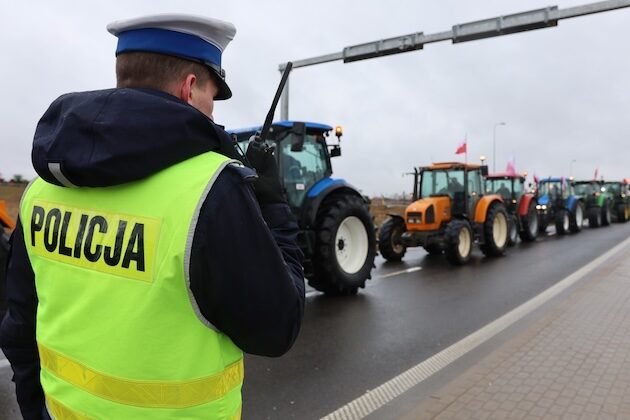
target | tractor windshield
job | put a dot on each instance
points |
(501, 186)
(441, 182)
(552, 189)
(584, 188)
(301, 169)
(613, 187)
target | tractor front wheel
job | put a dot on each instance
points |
(562, 222)
(512, 230)
(606, 215)
(529, 222)
(622, 213)
(577, 218)
(495, 231)
(389, 239)
(345, 246)
(594, 217)
(459, 239)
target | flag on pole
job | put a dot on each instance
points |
(461, 148)
(595, 174)
(511, 166)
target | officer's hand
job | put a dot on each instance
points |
(267, 187)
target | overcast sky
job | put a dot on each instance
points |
(563, 92)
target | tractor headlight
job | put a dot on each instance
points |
(544, 207)
(414, 218)
(538, 207)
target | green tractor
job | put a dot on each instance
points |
(620, 193)
(598, 203)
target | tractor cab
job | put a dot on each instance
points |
(302, 153)
(510, 187)
(598, 202)
(454, 186)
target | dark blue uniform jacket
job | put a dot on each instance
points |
(246, 271)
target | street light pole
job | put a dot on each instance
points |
(494, 147)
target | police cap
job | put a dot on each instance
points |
(194, 38)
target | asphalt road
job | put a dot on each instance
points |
(407, 313)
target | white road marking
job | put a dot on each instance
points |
(4, 363)
(395, 273)
(373, 399)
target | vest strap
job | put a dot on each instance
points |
(154, 394)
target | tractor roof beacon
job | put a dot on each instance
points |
(450, 213)
(336, 229)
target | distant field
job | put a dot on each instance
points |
(11, 194)
(380, 207)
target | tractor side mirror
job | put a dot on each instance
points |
(298, 132)
(484, 170)
(335, 151)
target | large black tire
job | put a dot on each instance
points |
(622, 213)
(529, 224)
(459, 239)
(576, 218)
(562, 221)
(345, 246)
(495, 231)
(542, 225)
(4, 252)
(594, 217)
(512, 230)
(606, 214)
(389, 239)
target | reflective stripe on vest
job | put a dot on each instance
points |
(118, 330)
(163, 394)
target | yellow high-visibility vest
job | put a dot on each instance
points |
(119, 333)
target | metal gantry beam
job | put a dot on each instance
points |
(487, 28)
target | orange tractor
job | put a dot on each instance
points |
(450, 212)
(6, 224)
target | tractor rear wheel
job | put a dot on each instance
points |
(345, 246)
(606, 215)
(512, 230)
(495, 231)
(389, 239)
(594, 217)
(576, 218)
(562, 222)
(4, 253)
(529, 223)
(459, 239)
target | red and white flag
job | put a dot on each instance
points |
(461, 148)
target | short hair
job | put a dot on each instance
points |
(156, 71)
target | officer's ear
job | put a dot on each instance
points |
(184, 92)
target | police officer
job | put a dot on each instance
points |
(145, 260)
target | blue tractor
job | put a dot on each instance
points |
(556, 205)
(336, 229)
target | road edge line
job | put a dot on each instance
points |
(376, 398)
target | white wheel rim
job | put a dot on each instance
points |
(464, 242)
(499, 230)
(565, 222)
(579, 217)
(351, 245)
